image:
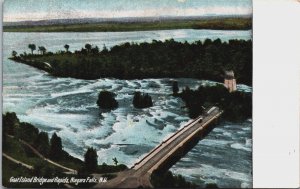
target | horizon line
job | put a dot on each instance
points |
(136, 17)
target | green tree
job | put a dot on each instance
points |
(90, 160)
(32, 47)
(175, 87)
(67, 47)
(136, 99)
(42, 143)
(10, 123)
(237, 105)
(142, 100)
(55, 147)
(95, 50)
(198, 60)
(27, 132)
(104, 50)
(106, 100)
(115, 161)
(42, 169)
(14, 54)
(42, 49)
(88, 47)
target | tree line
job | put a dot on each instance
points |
(52, 148)
(202, 60)
(25, 131)
(237, 105)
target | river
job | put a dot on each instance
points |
(68, 106)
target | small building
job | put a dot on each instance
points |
(229, 81)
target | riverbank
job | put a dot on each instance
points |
(22, 158)
(29, 151)
(213, 23)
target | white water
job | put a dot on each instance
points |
(68, 106)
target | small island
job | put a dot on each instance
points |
(237, 105)
(106, 100)
(142, 100)
(201, 60)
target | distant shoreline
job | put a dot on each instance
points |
(214, 24)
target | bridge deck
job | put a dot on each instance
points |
(139, 174)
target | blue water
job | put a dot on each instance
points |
(68, 106)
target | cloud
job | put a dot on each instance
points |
(181, 1)
(200, 11)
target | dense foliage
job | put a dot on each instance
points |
(236, 105)
(32, 47)
(42, 143)
(175, 87)
(142, 100)
(38, 139)
(55, 147)
(90, 160)
(168, 180)
(42, 169)
(104, 168)
(11, 169)
(52, 149)
(202, 60)
(106, 100)
(10, 123)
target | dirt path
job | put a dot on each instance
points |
(69, 170)
(17, 161)
(26, 166)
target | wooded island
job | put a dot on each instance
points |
(158, 59)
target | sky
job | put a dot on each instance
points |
(21, 10)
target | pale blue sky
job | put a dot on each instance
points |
(18, 10)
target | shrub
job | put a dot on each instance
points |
(142, 100)
(90, 160)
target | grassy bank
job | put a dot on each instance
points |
(18, 151)
(10, 169)
(216, 24)
(18, 136)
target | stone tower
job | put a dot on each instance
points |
(229, 81)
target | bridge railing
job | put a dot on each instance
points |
(160, 162)
(168, 139)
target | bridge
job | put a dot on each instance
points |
(166, 154)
